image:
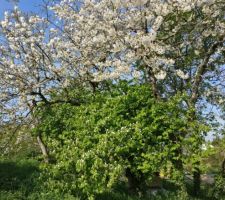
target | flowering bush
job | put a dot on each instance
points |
(122, 133)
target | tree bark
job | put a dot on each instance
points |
(223, 168)
(202, 69)
(153, 83)
(134, 183)
(196, 170)
(43, 148)
(196, 180)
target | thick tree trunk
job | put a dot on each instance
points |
(153, 83)
(39, 137)
(196, 180)
(196, 166)
(43, 148)
(134, 182)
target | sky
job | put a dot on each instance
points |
(25, 5)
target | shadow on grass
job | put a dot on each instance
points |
(17, 176)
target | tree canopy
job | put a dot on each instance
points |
(114, 88)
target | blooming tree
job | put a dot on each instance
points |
(108, 39)
(96, 40)
(178, 45)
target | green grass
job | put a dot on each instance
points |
(19, 180)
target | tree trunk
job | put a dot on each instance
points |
(201, 70)
(133, 182)
(177, 162)
(223, 168)
(196, 164)
(43, 148)
(196, 180)
(153, 83)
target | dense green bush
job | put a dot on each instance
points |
(124, 132)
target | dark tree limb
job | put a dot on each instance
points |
(202, 69)
(153, 83)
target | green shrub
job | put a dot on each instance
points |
(94, 144)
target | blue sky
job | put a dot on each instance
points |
(25, 5)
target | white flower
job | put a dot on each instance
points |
(147, 40)
(197, 52)
(136, 74)
(181, 74)
(6, 13)
(160, 75)
(140, 2)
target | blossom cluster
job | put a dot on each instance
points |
(97, 40)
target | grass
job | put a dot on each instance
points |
(18, 178)
(20, 181)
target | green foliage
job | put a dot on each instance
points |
(219, 189)
(16, 142)
(20, 181)
(93, 144)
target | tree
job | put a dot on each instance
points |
(185, 41)
(123, 132)
(175, 46)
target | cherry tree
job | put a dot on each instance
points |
(26, 65)
(108, 39)
(177, 45)
(97, 40)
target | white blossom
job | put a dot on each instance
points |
(100, 40)
(160, 75)
(181, 74)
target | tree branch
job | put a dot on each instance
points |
(201, 70)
